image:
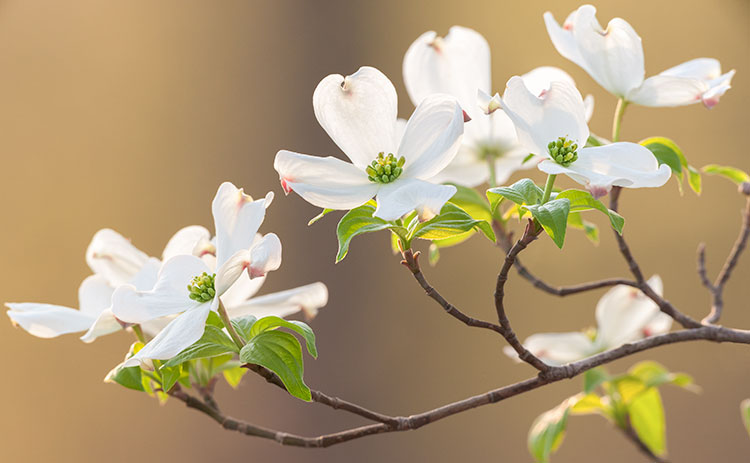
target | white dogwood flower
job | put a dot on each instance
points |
(114, 261)
(624, 314)
(613, 57)
(191, 286)
(459, 65)
(554, 125)
(359, 114)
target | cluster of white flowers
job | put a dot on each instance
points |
(128, 287)
(458, 133)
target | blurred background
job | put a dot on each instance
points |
(129, 114)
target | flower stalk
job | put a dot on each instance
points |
(230, 328)
(619, 113)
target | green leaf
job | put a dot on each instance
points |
(647, 419)
(234, 375)
(523, 192)
(745, 411)
(213, 342)
(169, 376)
(593, 379)
(587, 404)
(272, 322)
(471, 202)
(358, 221)
(528, 158)
(553, 215)
(667, 152)
(653, 375)
(322, 214)
(129, 377)
(451, 221)
(281, 353)
(694, 179)
(214, 320)
(732, 173)
(581, 200)
(547, 432)
(244, 325)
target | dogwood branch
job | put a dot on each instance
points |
(529, 235)
(411, 261)
(717, 287)
(504, 241)
(404, 423)
(664, 305)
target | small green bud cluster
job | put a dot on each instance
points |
(563, 151)
(385, 169)
(202, 287)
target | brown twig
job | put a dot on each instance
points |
(411, 261)
(529, 235)
(717, 287)
(505, 242)
(664, 305)
(403, 423)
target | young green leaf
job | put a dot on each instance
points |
(281, 353)
(358, 221)
(587, 404)
(169, 376)
(272, 322)
(129, 377)
(234, 375)
(523, 192)
(472, 203)
(596, 140)
(451, 221)
(647, 419)
(547, 432)
(667, 152)
(322, 214)
(653, 374)
(745, 411)
(732, 173)
(581, 200)
(243, 325)
(213, 342)
(553, 215)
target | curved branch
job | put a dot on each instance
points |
(504, 241)
(411, 261)
(717, 288)
(529, 235)
(405, 423)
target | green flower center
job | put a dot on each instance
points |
(202, 288)
(385, 169)
(563, 151)
(489, 153)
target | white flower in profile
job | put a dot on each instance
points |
(554, 125)
(459, 65)
(359, 114)
(613, 57)
(624, 314)
(198, 271)
(114, 261)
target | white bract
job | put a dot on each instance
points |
(359, 114)
(459, 65)
(613, 57)
(624, 314)
(554, 125)
(114, 261)
(236, 252)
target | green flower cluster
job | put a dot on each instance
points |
(563, 151)
(202, 288)
(385, 169)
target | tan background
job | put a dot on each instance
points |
(129, 114)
